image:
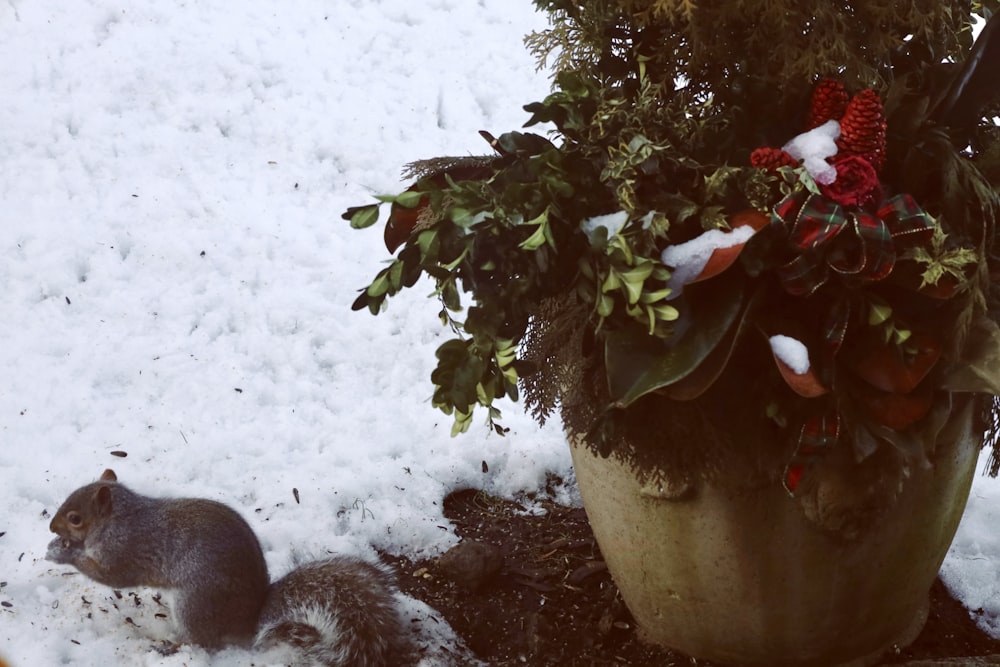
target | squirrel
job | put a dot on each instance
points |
(338, 612)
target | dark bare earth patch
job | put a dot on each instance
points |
(553, 602)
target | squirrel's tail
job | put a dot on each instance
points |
(338, 612)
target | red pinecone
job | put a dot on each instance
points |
(771, 158)
(862, 129)
(829, 102)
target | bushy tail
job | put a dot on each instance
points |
(338, 612)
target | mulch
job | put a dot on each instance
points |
(535, 591)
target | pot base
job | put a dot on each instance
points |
(743, 577)
(907, 637)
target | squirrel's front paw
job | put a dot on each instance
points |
(62, 550)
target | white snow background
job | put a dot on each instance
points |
(175, 284)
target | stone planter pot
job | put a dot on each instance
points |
(744, 578)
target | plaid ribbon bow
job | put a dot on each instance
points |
(851, 242)
(859, 247)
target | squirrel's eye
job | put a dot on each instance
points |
(74, 519)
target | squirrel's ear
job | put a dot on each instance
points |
(109, 476)
(102, 500)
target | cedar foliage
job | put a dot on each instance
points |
(752, 58)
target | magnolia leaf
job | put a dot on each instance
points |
(704, 376)
(523, 142)
(638, 363)
(979, 368)
(908, 442)
(361, 302)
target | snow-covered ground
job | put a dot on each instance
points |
(175, 286)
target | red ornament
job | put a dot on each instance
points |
(829, 102)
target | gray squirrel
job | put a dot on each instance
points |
(338, 611)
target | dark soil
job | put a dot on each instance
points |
(553, 602)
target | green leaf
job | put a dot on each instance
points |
(462, 422)
(605, 304)
(634, 279)
(483, 396)
(535, 241)
(362, 216)
(665, 313)
(611, 283)
(506, 352)
(657, 295)
(460, 217)
(878, 313)
(428, 243)
(409, 199)
(540, 235)
(661, 273)
(638, 363)
(450, 266)
(456, 377)
(380, 285)
(450, 296)
(396, 276)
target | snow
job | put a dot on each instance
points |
(970, 570)
(176, 289)
(612, 223)
(813, 148)
(793, 353)
(688, 259)
(177, 281)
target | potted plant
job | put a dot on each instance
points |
(751, 268)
